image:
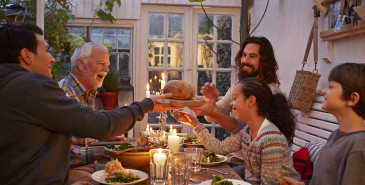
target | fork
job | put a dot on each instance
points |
(215, 171)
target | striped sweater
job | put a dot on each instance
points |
(262, 155)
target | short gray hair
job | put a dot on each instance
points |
(82, 52)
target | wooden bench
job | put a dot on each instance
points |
(316, 125)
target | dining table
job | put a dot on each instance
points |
(207, 173)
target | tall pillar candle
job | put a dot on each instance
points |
(173, 142)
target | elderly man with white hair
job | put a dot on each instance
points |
(89, 66)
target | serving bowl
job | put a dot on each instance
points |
(132, 159)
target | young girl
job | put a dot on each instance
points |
(342, 159)
(264, 141)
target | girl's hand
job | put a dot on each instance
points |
(185, 118)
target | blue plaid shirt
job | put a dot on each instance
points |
(81, 154)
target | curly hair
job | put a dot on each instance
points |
(269, 104)
(15, 37)
(267, 66)
(351, 76)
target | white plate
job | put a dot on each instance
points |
(234, 181)
(99, 176)
(222, 157)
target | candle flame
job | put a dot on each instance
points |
(174, 132)
(148, 87)
(163, 76)
(159, 150)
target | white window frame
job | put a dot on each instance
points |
(190, 40)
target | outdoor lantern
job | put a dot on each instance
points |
(125, 92)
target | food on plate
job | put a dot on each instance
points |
(192, 140)
(220, 180)
(279, 178)
(181, 90)
(210, 157)
(117, 173)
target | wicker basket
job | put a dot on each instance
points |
(303, 90)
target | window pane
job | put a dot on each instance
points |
(223, 82)
(175, 26)
(124, 65)
(155, 54)
(124, 38)
(113, 57)
(175, 54)
(78, 31)
(174, 75)
(205, 27)
(225, 26)
(224, 56)
(205, 55)
(156, 25)
(203, 76)
(97, 35)
(152, 117)
(154, 78)
(110, 36)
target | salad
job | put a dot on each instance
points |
(117, 173)
(192, 140)
(120, 177)
(220, 180)
(118, 148)
(210, 157)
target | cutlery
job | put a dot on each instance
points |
(215, 171)
(193, 180)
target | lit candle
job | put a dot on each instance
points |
(170, 128)
(147, 129)
(148, 91)
(159, 160)
(173, 142)
(163, 81)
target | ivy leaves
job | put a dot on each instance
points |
(106, 13)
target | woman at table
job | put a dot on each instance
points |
(264, 141)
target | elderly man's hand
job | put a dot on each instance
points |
(99, 153)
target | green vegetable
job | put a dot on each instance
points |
(119, 177)
(219, 180)
(210, 157)
(191, 140)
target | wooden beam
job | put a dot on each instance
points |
(40, 14)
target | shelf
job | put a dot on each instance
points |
(346, 31)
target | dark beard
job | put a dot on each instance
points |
(244, 74)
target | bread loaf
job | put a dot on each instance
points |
(180, 89)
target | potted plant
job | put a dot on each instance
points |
(108, 90)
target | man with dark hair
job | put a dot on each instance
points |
(37, 119)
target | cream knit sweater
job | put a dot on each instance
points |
(262, 155)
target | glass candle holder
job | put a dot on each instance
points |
(159, 166)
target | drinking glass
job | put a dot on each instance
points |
(180, 163)
(197, 155)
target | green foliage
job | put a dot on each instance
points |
(106, 13)
(74, 42)
(108, 45)
(196, 1)
(110, 82)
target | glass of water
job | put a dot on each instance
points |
(196, 155)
